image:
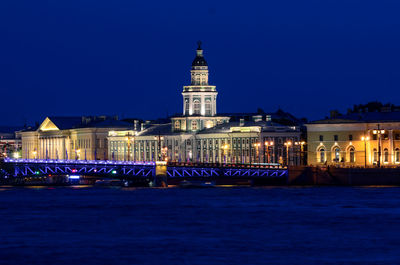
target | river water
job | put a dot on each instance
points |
(92, 225)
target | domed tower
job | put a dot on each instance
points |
(199, 99)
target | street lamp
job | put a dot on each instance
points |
(302, 143)
(379, 132)
(160, 138)
(78, 154)
(257, 145)
(129, 139)
(287, 144)
(224, 149)
(365, 139)
(34, 154)
(267, 145)
(164, 152)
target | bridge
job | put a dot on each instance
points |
(141, 170)
(32, 167)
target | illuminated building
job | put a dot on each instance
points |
(10, 142)
(70, 138)
(200, 135)
(199, 100)
(356, 139)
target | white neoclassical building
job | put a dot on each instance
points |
(199, 100)
(200, 135)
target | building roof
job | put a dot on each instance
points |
(10, 129)
(65, 123)
(367, 117)
(199, 60)
(158, 129)
(266, 126)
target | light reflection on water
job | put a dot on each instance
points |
(229, 225)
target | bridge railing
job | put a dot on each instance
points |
(79, 162)
(226, 165)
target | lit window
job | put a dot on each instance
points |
(322, 155)
(375, 155)
(194, 125)
(386, 155)
(337, 154)
(208, 107)
(196, 106)
(352, 155)
(186, 106)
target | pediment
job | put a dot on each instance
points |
(48, 125)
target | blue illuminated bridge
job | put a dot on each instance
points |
(15, 168)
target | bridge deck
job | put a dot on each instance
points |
(26, 167)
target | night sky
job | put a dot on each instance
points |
(131, 58)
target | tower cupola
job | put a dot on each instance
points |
(199, 98)
(199, 60)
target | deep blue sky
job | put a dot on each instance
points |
(131, 58)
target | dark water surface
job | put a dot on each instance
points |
(320, 225)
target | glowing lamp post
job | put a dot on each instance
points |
(379, 132)
(302, 143)
(159, 138)
(257, 145)
(287, 144)
(225, 150)
(129, 140)
(267, 145)
(34, 154)
(365, 139)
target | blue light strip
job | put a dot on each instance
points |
(79, 162)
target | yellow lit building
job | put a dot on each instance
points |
(357, 139)
(82, 138)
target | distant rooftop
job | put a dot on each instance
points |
(65, 123)
(370, 117)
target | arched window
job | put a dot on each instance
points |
(375, 155)
(336, 154)
(322, 155)
(208, 107)
(196, 107)
(385, 155)
(352, 158)
(397, 155)
(186, 106)
(194, 125)
(177, 125)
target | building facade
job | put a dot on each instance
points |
(10, 142)
(81, 138)
(248, 143)
(367, 139)
(199, 100)
(199, 135)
